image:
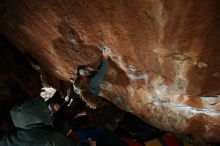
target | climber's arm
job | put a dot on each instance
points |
(94, 82)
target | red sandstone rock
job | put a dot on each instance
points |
(165, 64)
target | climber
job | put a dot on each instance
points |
(89, 84)
(58, 112)
(33, 127)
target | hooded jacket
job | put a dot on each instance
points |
(32, 120)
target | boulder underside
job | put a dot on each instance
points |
(165, 60)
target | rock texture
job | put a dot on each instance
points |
(165, 61)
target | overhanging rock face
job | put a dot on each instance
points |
(165, 64)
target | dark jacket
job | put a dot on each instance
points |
(32, 120)
(94, 82)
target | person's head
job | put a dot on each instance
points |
(56, 107)
(56, 102)
(84, 72)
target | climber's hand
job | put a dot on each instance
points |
(105, 53)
